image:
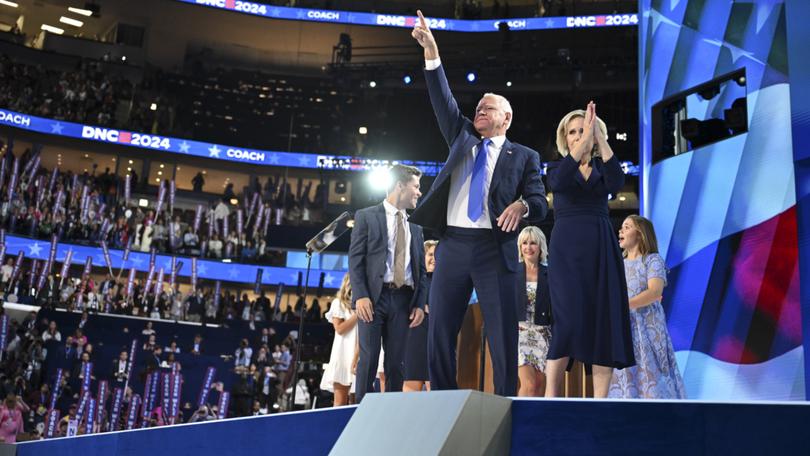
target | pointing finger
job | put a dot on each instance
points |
(421, 18)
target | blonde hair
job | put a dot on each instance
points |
(535, 234)
(562, 132)
(429, 244)
(344, 294)
(648, 242)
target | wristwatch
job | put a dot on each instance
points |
(525, 204)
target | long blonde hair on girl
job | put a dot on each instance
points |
(344, 294)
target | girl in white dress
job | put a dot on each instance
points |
(338, 375)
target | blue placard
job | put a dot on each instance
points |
(397, 20)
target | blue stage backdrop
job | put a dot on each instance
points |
(725, 213)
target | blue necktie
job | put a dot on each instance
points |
(475, 205)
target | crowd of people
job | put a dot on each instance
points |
(260, 384)
(85, 94)
(91, 208)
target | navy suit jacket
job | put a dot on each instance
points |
(542, 302)
(516, 174)
(369, 250)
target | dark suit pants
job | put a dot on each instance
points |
(467, 258)
(389, 329)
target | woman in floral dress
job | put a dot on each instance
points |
(534, 313)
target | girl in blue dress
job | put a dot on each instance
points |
(656, 374)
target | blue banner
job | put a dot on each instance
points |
(115, 413)
(224, 400)
(197, 148)
(91, 416)
(394, 20)
(51, 423)
(208, 381)
(177, 386)
(3, 334)
(139, 261)
(82, 405)
(57, 388)
(101, 399)
(132, 415)
(87, 375)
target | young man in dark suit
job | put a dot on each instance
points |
(479, 197)
(387, 273)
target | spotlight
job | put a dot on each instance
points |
(362, 130)
(341, 186)
(379, 179)
(407, 79)
(471, 77)
(372, 84)
(508, 83)
(153, 107)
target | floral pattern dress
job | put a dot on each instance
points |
(533, 340)
(656, 374)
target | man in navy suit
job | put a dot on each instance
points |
(475, 204)
(387, 273)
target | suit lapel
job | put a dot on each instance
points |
(414, 251)
(504, 162)
(380, 212)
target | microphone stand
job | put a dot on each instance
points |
(317, 244)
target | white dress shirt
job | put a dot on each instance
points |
(391, 224)
(460, 178)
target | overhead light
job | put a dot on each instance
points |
(379, 179)
(7, 3)
(372, 84)
(407, 79)
(81, 11)
(508, 83)
(362, 130)
(71, 21)
(143, 203)
(234, 201)
(471, 77)
(123, 58)
(153, 107)
(52, 29)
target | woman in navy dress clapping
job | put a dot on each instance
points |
(589, 302)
